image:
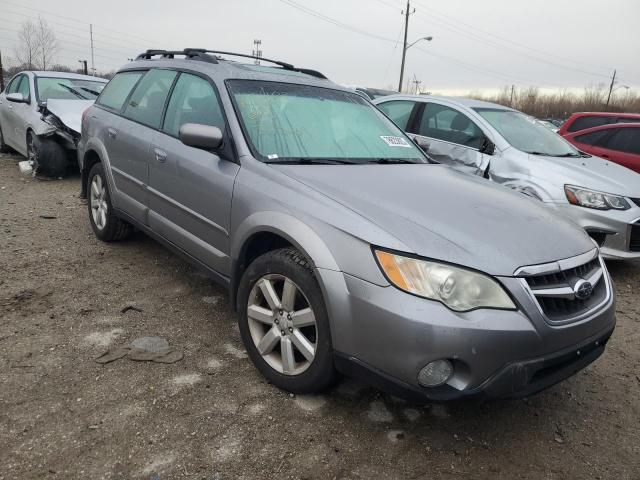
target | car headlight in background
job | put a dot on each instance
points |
(458, 288)
(592, 199)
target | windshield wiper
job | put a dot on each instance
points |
(390, 161)
(569, 155)
(311, 161)
(73, 90)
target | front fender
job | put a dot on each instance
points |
(292, 229)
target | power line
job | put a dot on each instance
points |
(325, 18)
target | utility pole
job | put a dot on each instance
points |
(1, 74)
(93, 65)
(257, 52)
(406, 13)
(84, 66)
(613, 81)
(513, 87)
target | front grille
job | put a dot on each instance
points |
(634, 243)
(556, 296)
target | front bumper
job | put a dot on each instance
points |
(388, 336)
(614, 226)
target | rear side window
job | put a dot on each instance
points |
(147, 102)
(592, 138)
(193, 101)
(582, 123)
(445, 123)
(625, 140)
(118, 89)
(399, 111)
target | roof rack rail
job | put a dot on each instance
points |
(202, 55)
(190, 53)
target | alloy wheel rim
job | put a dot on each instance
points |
(98, 202)
(282, 324)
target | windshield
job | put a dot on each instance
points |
(67, 89)
(526, 133)
(297, 123)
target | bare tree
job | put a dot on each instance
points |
(37, 44)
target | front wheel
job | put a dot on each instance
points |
(284, 323)
(47, 157)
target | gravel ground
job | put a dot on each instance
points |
(211, 416)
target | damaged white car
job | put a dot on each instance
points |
(40, 116)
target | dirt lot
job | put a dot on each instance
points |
(211, 416)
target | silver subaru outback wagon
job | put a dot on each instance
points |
(343, 249)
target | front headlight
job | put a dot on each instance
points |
(592, 199)
(459, 289)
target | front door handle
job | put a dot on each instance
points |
(112, 133)
(161, 156)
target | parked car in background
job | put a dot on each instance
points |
(372, 93)
(513, 149)
(584, 120)
(619, 143)
(40, 116)
(342, 248)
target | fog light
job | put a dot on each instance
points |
(435, 373)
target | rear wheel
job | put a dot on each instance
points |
(47, 157)
(284, 323)
(104, 222)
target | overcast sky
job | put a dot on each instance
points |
(477, 45)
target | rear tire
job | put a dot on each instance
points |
(105, 224)
(47, 156)
(289, 343)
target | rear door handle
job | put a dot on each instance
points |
(161, 156)
(112, 133)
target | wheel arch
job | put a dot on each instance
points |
(263, 232)
(89, 159)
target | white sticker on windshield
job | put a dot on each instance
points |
(273, 156)
(395, 141)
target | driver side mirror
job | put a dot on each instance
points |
(487, 147)
(17, 98)
(201, 136)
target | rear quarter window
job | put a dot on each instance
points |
(592, 138)
(118, 89)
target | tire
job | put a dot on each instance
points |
(302, 375)
(105, 224)
(47, 156)
(4, 148)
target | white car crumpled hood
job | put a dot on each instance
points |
(69, 111)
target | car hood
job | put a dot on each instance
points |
(69, 111)
(445, 215)
(592, 172)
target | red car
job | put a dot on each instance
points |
(584, 120)
(619, 143)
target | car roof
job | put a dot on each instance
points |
(609, 126)
(228, 69)
(458, 101)
(77, 76)
(605, 114)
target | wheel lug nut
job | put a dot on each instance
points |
(290, 329)
(277, 321)
(282, 332)
(289, 316)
